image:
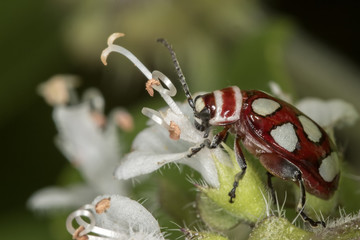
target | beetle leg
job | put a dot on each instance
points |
(217, 139)
(302, 200)
(207, 131)
(197, 149)
(241, 161)
(202, 128)
(198, 126)
(270, 186)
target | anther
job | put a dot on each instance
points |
(76, 234)
(102, 206)
(174, 131)
(149, 86)
(124, 120)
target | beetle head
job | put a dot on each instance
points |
(203, 109)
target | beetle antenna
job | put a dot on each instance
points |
(179, 72)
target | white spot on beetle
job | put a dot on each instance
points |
(285, 136)
(199, 104)
(265, 106)
(329, 167)
(312, 131)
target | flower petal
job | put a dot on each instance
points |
(141, 162)
(94, 152)
(153, 148)
(156, 139)
(203, 163)
(126, 216)
(188, 132)
(56, 198)
(329, 114)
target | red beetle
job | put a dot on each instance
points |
(289, 144)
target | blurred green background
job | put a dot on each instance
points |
(310, 49)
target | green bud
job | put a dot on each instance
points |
(316, 207)
(345, 227)
(276, 228)
(213, 216)
(193, 235)
(249, 204)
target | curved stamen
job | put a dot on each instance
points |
(115, 48)
(113, 37)
(155, 116)
(101, 233)
(172, 127)
(166, 94)
(161, 77)
(76, 215)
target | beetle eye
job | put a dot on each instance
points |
(199, 104)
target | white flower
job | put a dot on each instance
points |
(89, 143)
(155, 146)
(329, 114)
(114, 217)
(57, 198)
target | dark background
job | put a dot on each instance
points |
(333, 23)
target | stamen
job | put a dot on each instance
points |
(157, 75)
(166, 94)
(155, 116)
(174, 131)
(113, 37)
(77, 232)
(173, 128)
(98, 118)
(85, 228)
(85, 237)
(115, 48)
(102, 206)
(77, 215)
(58, 90)
(124, 120)
(149, 86)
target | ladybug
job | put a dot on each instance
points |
(288, 143)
